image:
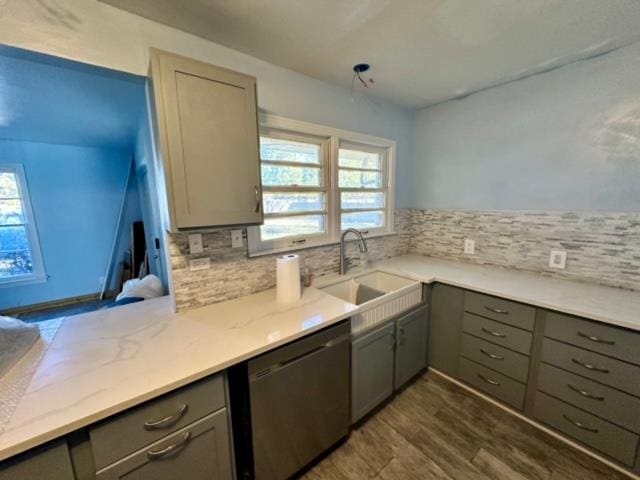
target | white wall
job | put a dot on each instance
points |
(568, 139)
(92, 32)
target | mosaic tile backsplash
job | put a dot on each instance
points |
(601, 247)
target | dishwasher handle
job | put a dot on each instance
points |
(297, 358)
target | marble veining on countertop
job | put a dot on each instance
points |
(104, 362)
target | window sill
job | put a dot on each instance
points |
(274, 251)
(18, 282)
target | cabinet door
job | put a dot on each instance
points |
(372, 370)
(51, 462)
(445, 328)
(208, 129)
(411, 351)
(200, 451)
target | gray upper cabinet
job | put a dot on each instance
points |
(51, 462)
(372, 365)
(207, 128)
(445, 327)
(411, 351)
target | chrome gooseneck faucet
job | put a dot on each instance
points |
(345, 262)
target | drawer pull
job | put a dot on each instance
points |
(488, 380)
(166, 421)
(578, 424)
(497, 310)
(493, 334)
(596, 339)
(589, 366)
(584, 393)
(491, 355)
(158, 454)
(402, 340)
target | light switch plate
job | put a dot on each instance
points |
(469, 246)
(558, 259)
(195, 243)
(199, 264)
(236, 239)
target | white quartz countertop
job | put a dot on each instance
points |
(104, 362)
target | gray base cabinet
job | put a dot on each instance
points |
(577, 376)
(51, 462)
(198, 452)
(385, 358)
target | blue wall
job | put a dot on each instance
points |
(76, 194)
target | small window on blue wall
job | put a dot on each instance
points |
(20, 258)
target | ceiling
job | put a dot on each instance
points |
(48, 99)
(422, 52)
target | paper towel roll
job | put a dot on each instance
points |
(288, 278)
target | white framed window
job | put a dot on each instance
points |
(318, 181)
(20, 257)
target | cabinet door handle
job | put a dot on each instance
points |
(580, 425)
(497, 310)
(256, 192)
(491, 355)
(166, 421)
(402, 340)
(488, 380)
(584, 393)
(595, 339)
(493, 334)
(158, 454)
(589, 366)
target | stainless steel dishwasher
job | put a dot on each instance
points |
(299, 400)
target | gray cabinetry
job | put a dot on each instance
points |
(198, 452)
(411, 351)
(372, 358)
(445, 327)
(208, 134)
(50, 462)
(386, 358)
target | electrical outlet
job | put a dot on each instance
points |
(558, 259)
(195, 243)
(199, 264)
(236, 239)
(469, 246)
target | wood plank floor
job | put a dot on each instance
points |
(436, 430)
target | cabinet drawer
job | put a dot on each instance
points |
(505, 311)
(512, 364)
(612, 372)
(497, 333)
(199, 451)
(590, 430)
(49, 462)
(494, 383)
(605, 402)
(601, 338)
(125, 433)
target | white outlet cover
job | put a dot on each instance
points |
(469, 246)
(199, 264)
(195, 243)
(558, 259)
(236, 239)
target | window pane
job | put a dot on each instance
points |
(15, 263)
(357, 159)
(355, 179)
(273, 175)
(364, 200)
(291, 226)
(276, 150)
(8, 185)
(13, 238)
(362, 220)
(280, 202)
(11, 212)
